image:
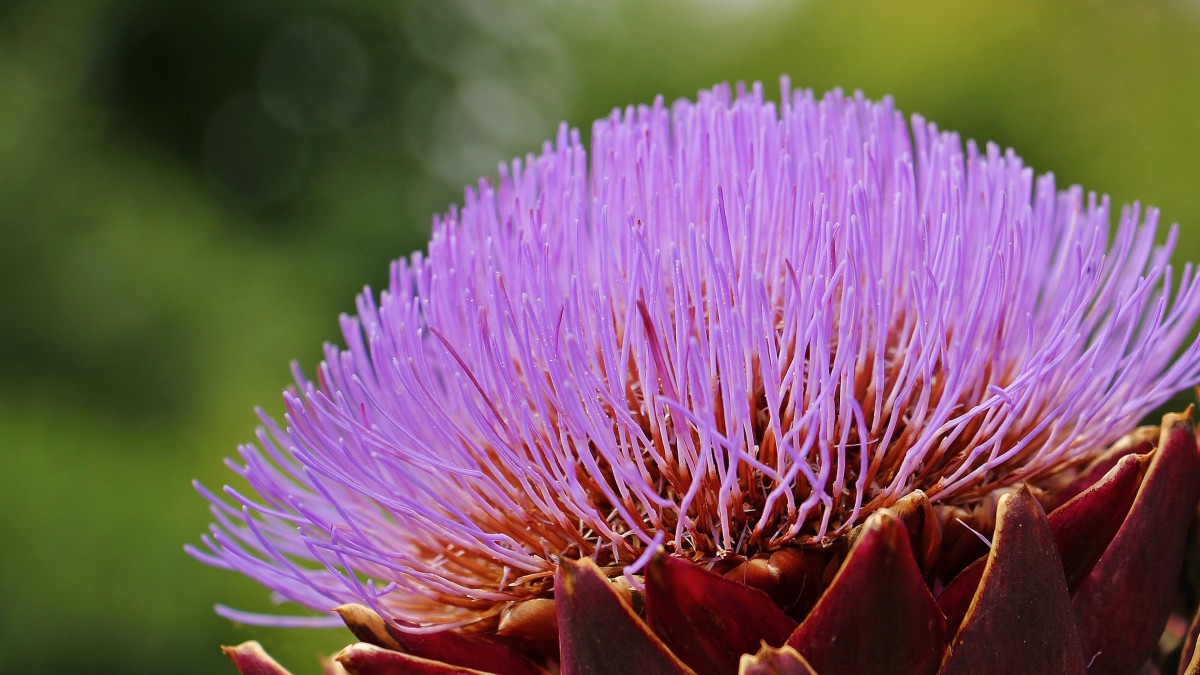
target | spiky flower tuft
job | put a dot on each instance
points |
(733, 326)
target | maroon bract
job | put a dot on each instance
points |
(878, 614)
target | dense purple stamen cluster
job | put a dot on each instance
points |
(734, 325)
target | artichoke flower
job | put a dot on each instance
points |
(750, 387)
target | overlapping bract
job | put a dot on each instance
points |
(734, 325)
(1087, 588)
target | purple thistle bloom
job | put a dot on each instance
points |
(734, 325)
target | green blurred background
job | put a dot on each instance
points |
(191, 191)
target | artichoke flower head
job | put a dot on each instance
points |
(746, 386)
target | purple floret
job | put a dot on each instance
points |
(733, 325)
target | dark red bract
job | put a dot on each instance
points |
(1089, 587)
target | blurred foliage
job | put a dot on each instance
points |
(191, 191)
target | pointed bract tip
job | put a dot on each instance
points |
(772, 661)
(331, 667)
(366, 625)
(251, 659)
(1172, 420)
(1021, 610)
(877, 616)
